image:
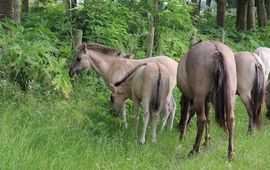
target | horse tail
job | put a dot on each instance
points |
(221, 89)
(257, 95)
(155, 99)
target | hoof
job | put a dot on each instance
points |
(142, 141)
(230, 155)
(207, 143)
(193, 153)
(154, 141)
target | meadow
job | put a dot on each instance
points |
(46, 131)
(49, 121)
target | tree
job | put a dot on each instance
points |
(220, 12)
(261, 10)
(25, 6)
(267, 5)
(10, 9)
(241, 15)
(251, 15)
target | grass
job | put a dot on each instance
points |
(44, 131)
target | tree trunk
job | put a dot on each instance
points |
(241, 15)
(261, 10)
(25, 6)
(196, 9)
(10, 9)
(151, 37)
(220, 12)
(251, 15)
(267, 5)
(208, 3)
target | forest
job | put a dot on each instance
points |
(49, 120)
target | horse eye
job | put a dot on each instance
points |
(79, 59)
(112, 98)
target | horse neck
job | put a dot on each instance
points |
(101, 63)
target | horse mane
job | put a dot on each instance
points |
(97, 47)
(103, 49)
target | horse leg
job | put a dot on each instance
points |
(230, 125)
(146, 117)
(172, 113)
(166, 111)
(191, 112)
(184, 115)
(124, 117)
(199, 108)
(155, 119)
(249, 107)
(136, 116)
(207, 129)
(267, 100)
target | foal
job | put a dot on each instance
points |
(150, 85)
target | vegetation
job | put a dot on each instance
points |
(49, 121)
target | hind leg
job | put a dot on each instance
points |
(267, 100)
(201, 119)
(249, 107)
(184, 115)
(191, 112)
(166, 112)
(207, 125)
(155, 119)
(146, 117)
(230, 125)
(172, 113)
(136, 116)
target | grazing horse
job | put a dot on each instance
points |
(150, 85)
(207, 73)
(264, 53)
(251, 77)
(117, 71)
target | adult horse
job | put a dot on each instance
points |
(207, 73)
(117, 72)
(251, 78)
(264, 54)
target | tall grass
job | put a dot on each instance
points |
(48, 132)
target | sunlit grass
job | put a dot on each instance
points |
(47, 132)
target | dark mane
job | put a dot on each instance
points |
(98, 47)
(103, 49)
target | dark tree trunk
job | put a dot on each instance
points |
(220, 12)
(241, 15)
(267, 5)
(208, 2)
(251, 15)
(25, 6)
(10, 9)
(196, 9)
(261, 10)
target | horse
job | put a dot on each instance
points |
(250, 73)
(207, 73)
(264, 54)
(116, 70)
(150, 86)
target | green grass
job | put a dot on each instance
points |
(44, 131)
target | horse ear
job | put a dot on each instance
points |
(80, 47)
(125, 55)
